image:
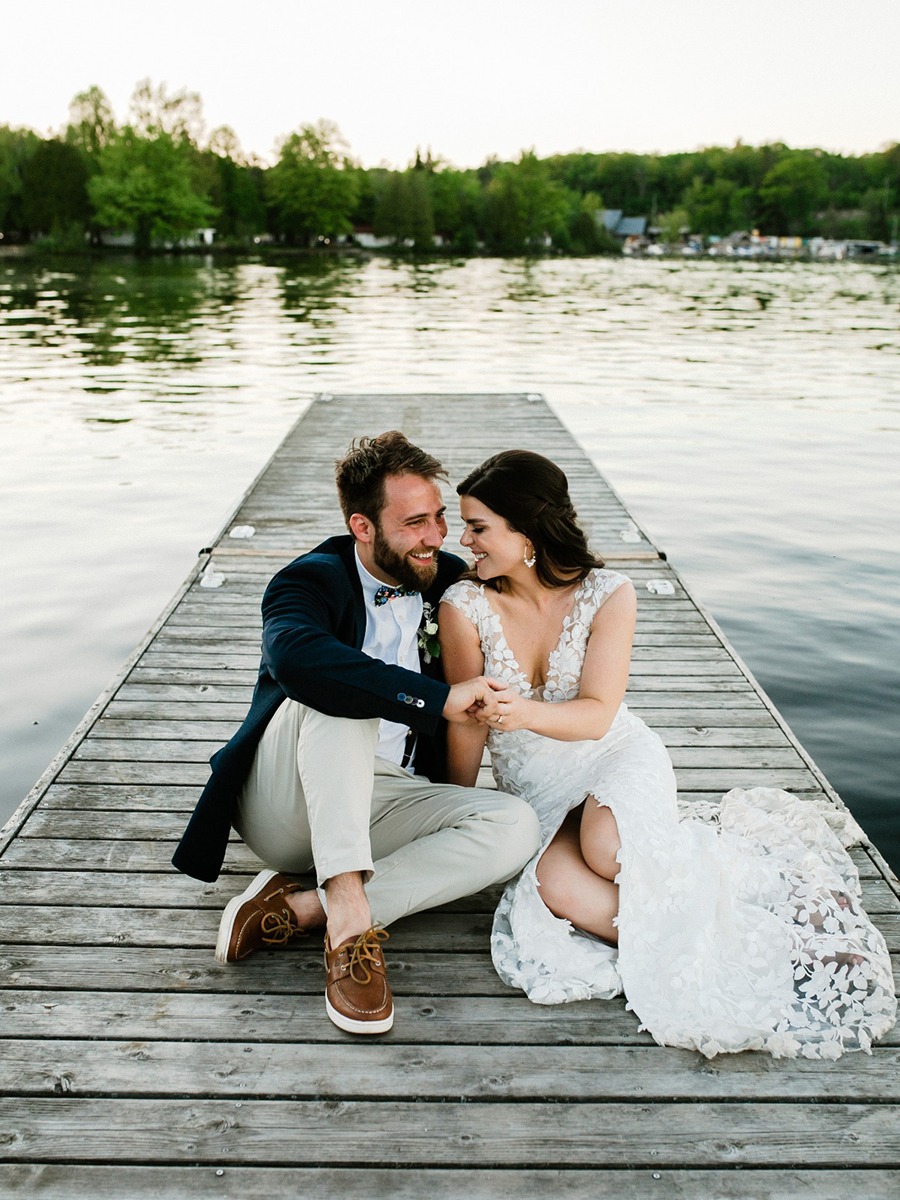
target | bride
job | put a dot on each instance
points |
(734, 926)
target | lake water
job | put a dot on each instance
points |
(748, 414)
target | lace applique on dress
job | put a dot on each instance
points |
(740, 923)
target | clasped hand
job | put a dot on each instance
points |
(486, 701)
(476, 699)
(509, 710)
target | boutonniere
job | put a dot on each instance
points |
(427, 635)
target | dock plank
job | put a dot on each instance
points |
(50, 1181)
(154, 926)
(70, 888)
(140, 1067)
(426, 1134)
(96, 970)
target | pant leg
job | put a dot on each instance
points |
(307, 802)
(318, 798)
(433, 842)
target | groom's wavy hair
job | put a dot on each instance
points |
(531, 493)
(360, 475)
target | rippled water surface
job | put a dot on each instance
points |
(749, 414)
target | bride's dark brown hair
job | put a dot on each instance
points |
(531, 494)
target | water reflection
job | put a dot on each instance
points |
(311, 287)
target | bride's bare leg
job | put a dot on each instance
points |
(600, 841)
(571, 889)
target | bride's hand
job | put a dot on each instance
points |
(474, 699)
(512, 713)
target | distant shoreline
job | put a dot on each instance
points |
(271, 253)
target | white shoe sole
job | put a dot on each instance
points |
(351, 1026)
(226, 925)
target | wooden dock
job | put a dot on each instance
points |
(134, 1066)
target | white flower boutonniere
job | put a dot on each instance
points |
(427, 635)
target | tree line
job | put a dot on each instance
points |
(159, 176)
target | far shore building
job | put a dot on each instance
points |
(124, 240)
(365, 236)
(615, 222)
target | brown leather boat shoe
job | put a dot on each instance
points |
(357, 995)
(260, 916)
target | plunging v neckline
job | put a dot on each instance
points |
(554, 653)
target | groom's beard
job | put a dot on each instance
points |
(411, 574)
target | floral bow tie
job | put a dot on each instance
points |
(386, 593)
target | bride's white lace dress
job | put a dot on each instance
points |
(740, 924)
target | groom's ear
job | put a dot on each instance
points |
(361, 528)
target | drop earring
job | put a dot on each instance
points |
(529, 562)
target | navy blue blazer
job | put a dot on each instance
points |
(314, 623)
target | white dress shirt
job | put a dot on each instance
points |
(392, 636)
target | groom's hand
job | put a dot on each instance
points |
(473, 699)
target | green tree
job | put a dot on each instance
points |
(885, 170)
(719, 207)
(146, 185)
(457, 205)
(236, 190)
(16, 147)
(234, 186)
(393, 210)
(91, 127)
(421, 209)
(224, 143)
(586, 234)
(674, 225)
(404, 210)
(626, 181)
(792, 193)
(91, 123)
(153, 112)
(524, 206)
(54, 190)
(875, 201)
(371, 185)
(313, 187)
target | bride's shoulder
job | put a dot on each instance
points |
(602, 582)
(463, 594)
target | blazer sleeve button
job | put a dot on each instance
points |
(401, 696)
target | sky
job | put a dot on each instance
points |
(473, 80)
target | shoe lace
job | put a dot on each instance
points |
(365, 950)
(276, 928)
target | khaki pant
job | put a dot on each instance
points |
(318, 798)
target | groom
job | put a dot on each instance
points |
(338, 765)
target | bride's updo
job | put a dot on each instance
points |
(531, 493)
